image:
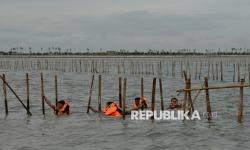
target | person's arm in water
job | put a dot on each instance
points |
(135, 106)
(49, 103)
(144, 102)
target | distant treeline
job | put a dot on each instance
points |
(59, 51)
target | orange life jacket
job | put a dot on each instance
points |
(112, 110)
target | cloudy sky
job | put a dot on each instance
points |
(130, 24)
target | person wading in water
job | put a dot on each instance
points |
(62, 107)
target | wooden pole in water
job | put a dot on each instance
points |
(118, 70)
(124, 98)
(142, 88)
(185, 75)
(238, 72)
(217, 74)
(182, 69)
(240, 111)
(120, 92)
(5, 96)
(153, 96)
(100, 94)
(234, 74)
(161, 93)
(28, 92)
(190, 103)
(90, 92)
(213, 87)
(18, 98)
(209, 112)
(196, 70)
(248, 73)
(56, 93)
(208, 71)
(213, 70)
(200, 70)
(185, 97)
(221, 70)
(42, 94)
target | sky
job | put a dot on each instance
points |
(124, 24)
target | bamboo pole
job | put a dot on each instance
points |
(161, 93)
(142, 88)
(238, 72)
(213, 71)
(185, 94)
(196, 70)
(182, 70)
(5, 95)
(189, 98)
(124, 98)
(200, 70)
(185, 75)
(99, 93)
(195, 96)
(221, 70)
(213, 87)
(240, 111)
(118, 70)
(173, 69)
(248, 73)
(90, 92)
(42, 94)
(153, 96)
(209, 113)
(56, 93)
(208, 71)
(234, 74)
(185, 98)
(217, 73)
(120, 92)
(18, 98)
(28, 92)
(114, 87)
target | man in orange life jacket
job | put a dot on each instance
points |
(112, 109)
(61, 108)
(140, 103)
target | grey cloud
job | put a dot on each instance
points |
(208, 25)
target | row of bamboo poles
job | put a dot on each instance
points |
(187, 105)
(188, 100)
(215, 69)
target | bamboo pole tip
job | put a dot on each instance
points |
(242, 80)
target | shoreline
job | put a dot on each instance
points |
(118, 56)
